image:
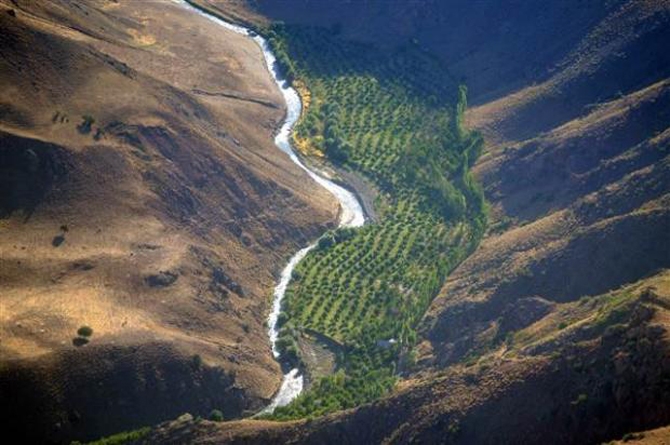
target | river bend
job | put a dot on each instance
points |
(351, 213)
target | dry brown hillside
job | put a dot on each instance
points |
(142, 196)
(556, 329)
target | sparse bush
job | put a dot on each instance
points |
(161, 279)
(57, 240)
(632, 436)
(80, 341)
(454, 427)
(582, 398)
(85, 126)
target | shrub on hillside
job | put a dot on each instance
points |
(216, 415)
(85, 331)
(85, 126)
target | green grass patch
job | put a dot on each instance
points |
(120, 438)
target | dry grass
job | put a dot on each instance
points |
(185, 183)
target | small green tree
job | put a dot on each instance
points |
(196, 361)
(216, 415)
(85, 331)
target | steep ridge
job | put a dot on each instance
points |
(591, 194)
(567, 198)
(136, 205)
(555, 330)
(599, 385)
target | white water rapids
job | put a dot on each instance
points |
(351, 214)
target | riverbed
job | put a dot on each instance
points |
(351, 210)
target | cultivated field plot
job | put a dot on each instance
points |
(396, 118)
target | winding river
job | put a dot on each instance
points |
(351, 213)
